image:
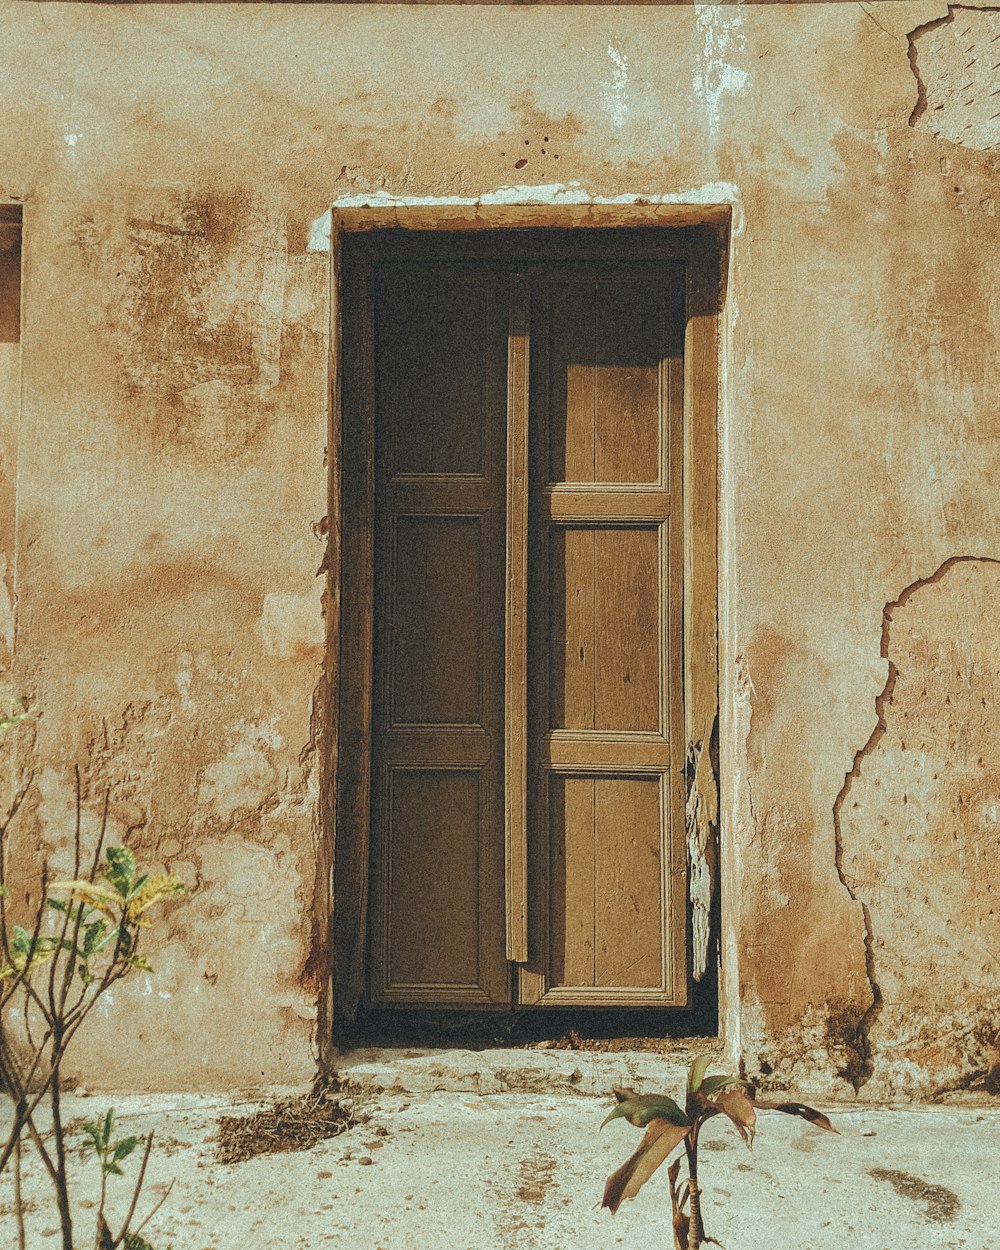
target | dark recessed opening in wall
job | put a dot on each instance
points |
(10, 273)
(527, 639)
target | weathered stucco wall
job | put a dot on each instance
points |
(172, 481)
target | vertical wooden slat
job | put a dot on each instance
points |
(355, 494)
(516, 654)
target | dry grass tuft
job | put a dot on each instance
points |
(289, 1124)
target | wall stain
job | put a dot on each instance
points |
(941, 1205)
(194, 288)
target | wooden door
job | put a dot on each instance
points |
(607, 872)
(527, 790)
(440, 402)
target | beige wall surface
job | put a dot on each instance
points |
(169, 457)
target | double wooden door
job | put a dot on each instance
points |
(526, 790)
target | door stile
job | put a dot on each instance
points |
(530, 984)
(516, 637)
(356, 591)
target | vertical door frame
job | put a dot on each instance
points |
(698, 234)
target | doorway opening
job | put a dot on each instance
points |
(527, 626)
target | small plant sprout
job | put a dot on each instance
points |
(80, 937)
(668, 1125)
(111, 1154)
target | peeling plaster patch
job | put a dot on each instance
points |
(701, 822)
(6, 609)
(245, 777)
(716, 76)
(291, 626)
(197, 358)
(899, 875)
(614, 92)
(955, 61)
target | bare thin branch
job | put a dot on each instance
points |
(166, 1194)
(140, 1179)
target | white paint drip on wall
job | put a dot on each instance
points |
(614, 91)
(552, 193)
(183, 680)
(716, 76)
(319, 234)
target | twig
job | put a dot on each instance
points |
(138, 1187)
(22, 1237)
(142, 1223)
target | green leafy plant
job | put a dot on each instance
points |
(78, 938)
(668, 1125)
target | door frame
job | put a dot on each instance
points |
(698, 236)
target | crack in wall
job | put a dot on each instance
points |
(860, 1070)
(956, 92)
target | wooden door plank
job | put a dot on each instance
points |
(603, 504)
(435, 620)
(432, 876)
(449, 745)
(571, 649)
(431, 385)
(629, 340)
(608, 752)
(572, 354)
(629, 942)
(571, 894)
(628, 673)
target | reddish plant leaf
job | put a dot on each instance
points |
(658, 1141)
(800, 1109)
(736, 1104)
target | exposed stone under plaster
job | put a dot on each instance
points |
(955, 60)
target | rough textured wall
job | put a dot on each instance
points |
(172, 481)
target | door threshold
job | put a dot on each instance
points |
(650, 1064)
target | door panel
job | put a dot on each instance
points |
(433, 822)
(629, 827)
(606, 884)
(606, 859)
(437, 923)
(432, 385)
(603, 348)
(604, 593)
(436, 638)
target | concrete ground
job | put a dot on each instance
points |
(520, 1165)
